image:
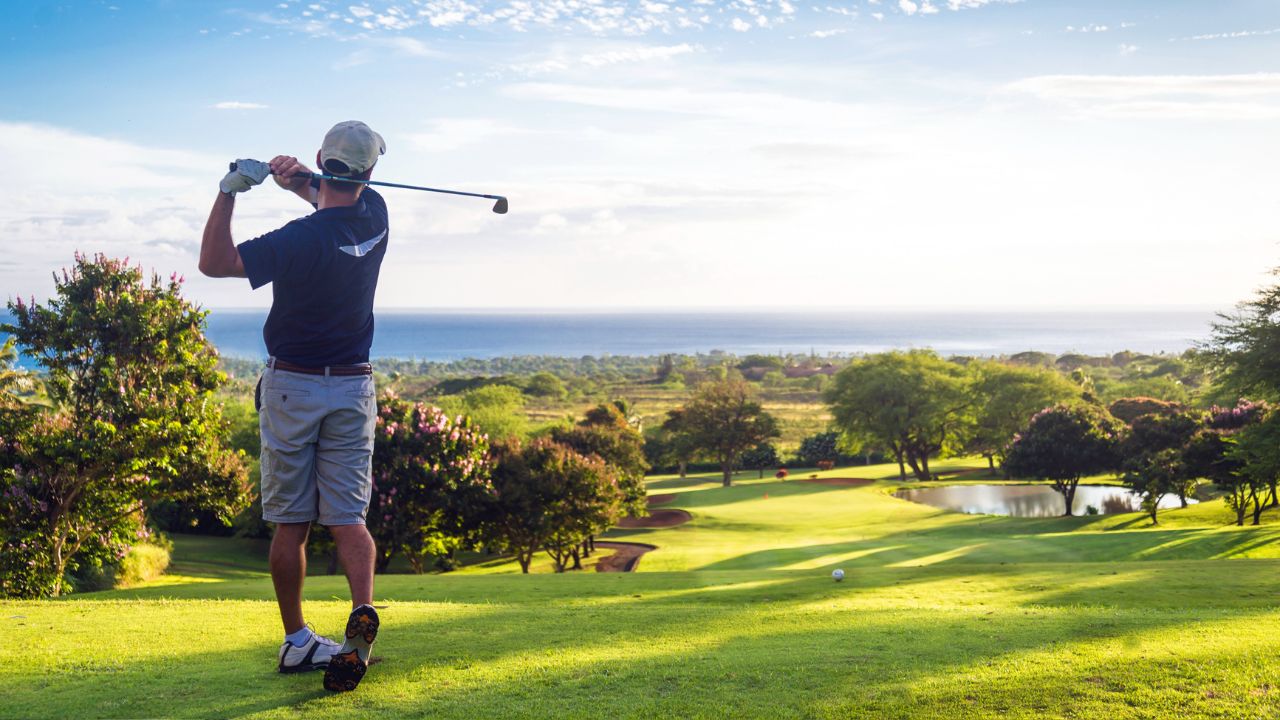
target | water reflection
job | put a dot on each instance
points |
(1030, 500)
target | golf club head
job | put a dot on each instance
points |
(500, 207)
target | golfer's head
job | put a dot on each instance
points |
(350, 150)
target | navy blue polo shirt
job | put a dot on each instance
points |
(324, 270)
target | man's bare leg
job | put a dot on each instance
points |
(288, 569)
(356, 553)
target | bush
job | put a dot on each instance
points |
(145, 561)
(1129, 409)
(544, 384)
(430, 482)
(818, 448)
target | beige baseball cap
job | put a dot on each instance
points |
(350, 148)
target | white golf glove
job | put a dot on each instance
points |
(244, 175)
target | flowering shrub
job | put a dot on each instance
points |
(781, 474)
(130, 421)
(1229, 419)
(430, 482)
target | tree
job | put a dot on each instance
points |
(670, 444)
(1033, 359)
(546, 496)
(1152, 456)
(722, 420)
(1005, 398)
(1155, 475)
(1131, 408)
(761, 457)
(1256, 449)
(1245, 347)
(607, 433)
(130, 377)
(1064, 444)
(17, 387)
(430, 483)
(497, 409)
(1210, 455)
(771, 362)
(546, 385)
(914, 403)
(823, 447)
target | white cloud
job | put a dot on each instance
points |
(449, 134)
(761, 108)
(1239, 97)
(594, 17)
(562, 60)
(1234, 35)
(237, 105)
(1126, 49)
(146, 203)
(827, 33)
(637, 54)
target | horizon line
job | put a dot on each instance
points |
(793, 310)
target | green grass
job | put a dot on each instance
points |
(735, 615)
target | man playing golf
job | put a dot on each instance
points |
(316, 397)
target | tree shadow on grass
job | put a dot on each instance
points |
(762, 644)
(958, 544)
(748, 657)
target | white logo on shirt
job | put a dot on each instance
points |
(363, 248)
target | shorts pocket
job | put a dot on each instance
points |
(363, 390)
(279, 397)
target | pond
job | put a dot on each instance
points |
(1030, 500)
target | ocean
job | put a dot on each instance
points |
(452, 335)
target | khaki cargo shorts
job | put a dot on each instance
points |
(317, 447)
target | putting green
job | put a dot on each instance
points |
(735, 615)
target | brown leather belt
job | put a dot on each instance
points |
(338, 370)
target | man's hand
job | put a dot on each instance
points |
(289, 173)
(245, 175)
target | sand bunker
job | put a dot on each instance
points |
(657, 519)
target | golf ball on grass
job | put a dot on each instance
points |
(837, 574)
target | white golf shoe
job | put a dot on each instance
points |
(311, 655)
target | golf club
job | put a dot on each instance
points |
(499, 207)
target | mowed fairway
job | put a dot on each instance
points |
(735, 615)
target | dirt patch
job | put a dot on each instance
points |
(657, 519)
(625, 558)
(839, 482)
(662, 499)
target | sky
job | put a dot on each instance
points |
(740, 154)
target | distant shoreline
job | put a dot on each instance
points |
(443, 336)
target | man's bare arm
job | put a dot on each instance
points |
(294, 177)
(218, 254)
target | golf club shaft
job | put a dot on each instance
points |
(499, 207)
(322, 176)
